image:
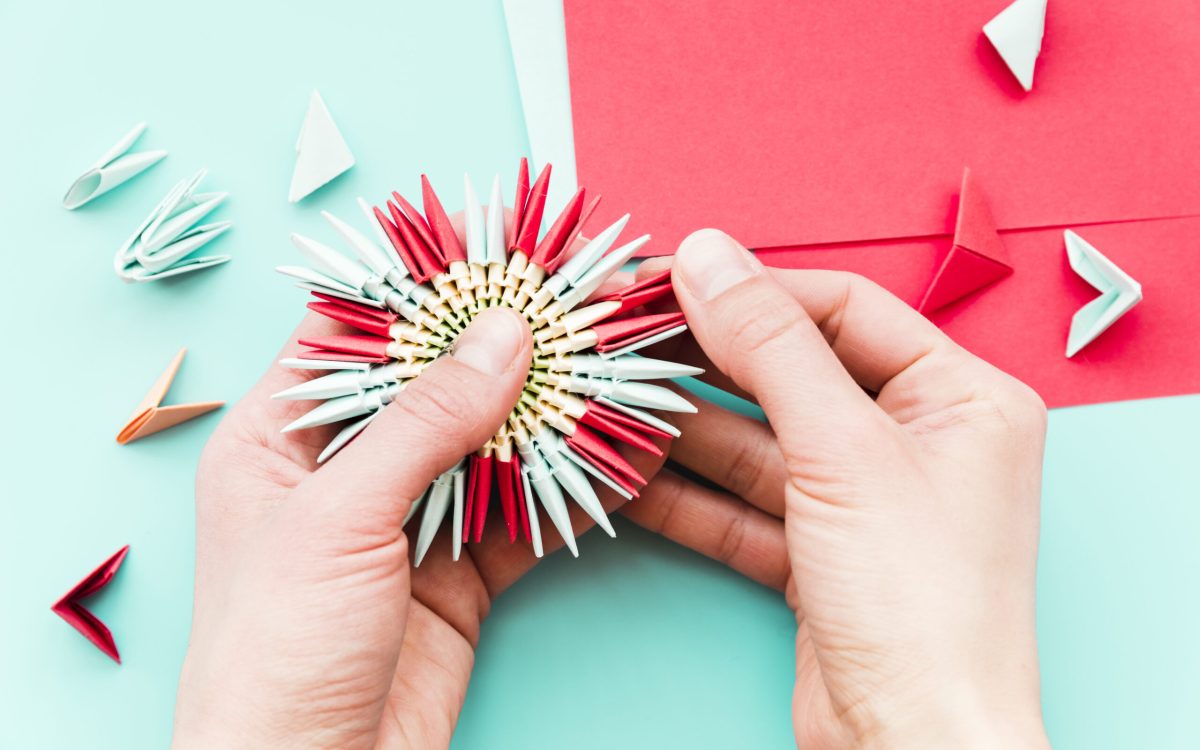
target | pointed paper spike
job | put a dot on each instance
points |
(364, 346)
(469, 507)
(531, 220)
(497, 246)
(644, 292)
(642, 341)
(599, 273)
(70, 607)
(1119, 292)
(333, 410)
(976, 260)
(522, 197)
(650, 396)
(580, 262)
(1016, 32)
(552, 500)
(474, 224)
(295, 363)
(324, 356)
(523, 505)
(508, 480)
(331, 262)
(483, 494)
(460, 499)
(439, 223)
(630, 367)
(396, 238)
(361, 317)
(555, 241)
(412, 509)
(622, 427)
(435, 511)
(419, 224)
(534, 532)
(370, 254)
(425, 256)
(321, 151)
(641, 416)
(621, 488)
(575, 235)
(345, 436)
(576, 483)
(599, 466)
(620, 332)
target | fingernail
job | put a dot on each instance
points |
(492, 341)
(711, 262)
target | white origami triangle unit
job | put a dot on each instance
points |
(1118, 292)
(1016, 33)
(321, 151)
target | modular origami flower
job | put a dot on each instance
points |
(414, 288)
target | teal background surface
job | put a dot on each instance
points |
(637, 644)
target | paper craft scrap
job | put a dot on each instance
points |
(166, 240)
(1118, 292)
(409, 288)
(1016, 33)
(976, 259)
(711, 115)
(114, 168)
(539, 50)
(150, 417)
(321, 151)
(70, 606)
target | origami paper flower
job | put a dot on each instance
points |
(414, 288)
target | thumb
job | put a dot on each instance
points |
(452, 409)
(759, 335)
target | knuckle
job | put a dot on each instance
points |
(733, 538)
(438, 405)
(745, 467)
(761, 319)
(1025, 408)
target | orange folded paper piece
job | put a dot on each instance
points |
(150, 417)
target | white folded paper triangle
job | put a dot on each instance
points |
(1118, 292)
(165, 242)
(114, 168)
(321, 151)
(1016, 33)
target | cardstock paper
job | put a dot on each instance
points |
(70, 606)
(321, 151)
(789, 123)
(1020, 324)
(150, 417)
(114, 168)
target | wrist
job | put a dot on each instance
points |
(957, 720)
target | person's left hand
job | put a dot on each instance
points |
(309, 628)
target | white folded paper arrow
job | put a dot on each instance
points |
(113, 169)
(1118, 292)
(1016, 33)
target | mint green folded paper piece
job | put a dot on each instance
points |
(114, 168)
(165, 242)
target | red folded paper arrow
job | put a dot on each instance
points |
(439, 224)
(642, 293)
(555, 241)
(71, 608)
(975, 260)
(622, 427)
(618, 334)
(362, 317)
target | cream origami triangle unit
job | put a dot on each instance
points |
(1118, 292)
(114, 168)
(321, 151)
(150, 417)
(1016, 33)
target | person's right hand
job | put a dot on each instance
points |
(903, 526)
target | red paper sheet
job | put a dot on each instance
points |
(789, 123)
(1020, 324)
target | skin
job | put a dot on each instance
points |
(892, 494)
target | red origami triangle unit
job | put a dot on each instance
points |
(977, 258)
(71, 609)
